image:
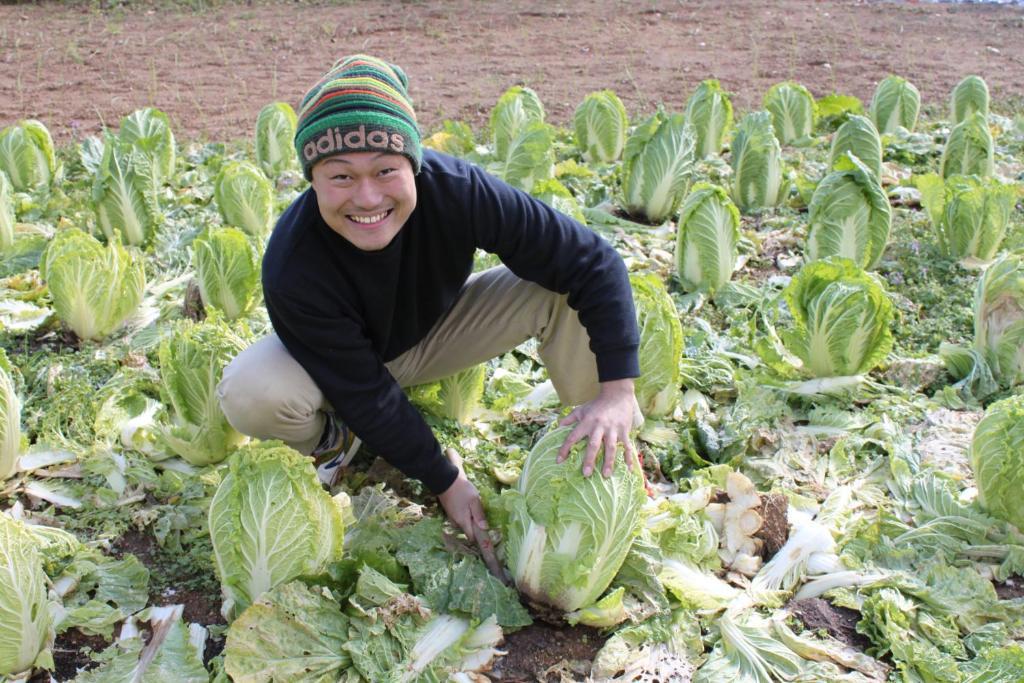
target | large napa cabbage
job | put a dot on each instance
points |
(568, 534)
(228, 269)
(999, 318)
(841, 319)
(27, 155)
(661, 345)
(657, 165)
(969, 148)
(997, 458)
(707, 242)
(600, 123)
(94, 287)
(124, 193)
(245, 198)
(270, 522)
(10, 420)
(793, 111)
(849, 216)
(529, 157)
(859, 137)
(710, 112)
(516, 109)
(149, 132)
(192, 360)
(970, 96)
(275, 131)
(26, 621)
(895, 105)
(757, 174)
(970, 214)
(7, 215)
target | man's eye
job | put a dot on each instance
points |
(339, 177)
(386, 171)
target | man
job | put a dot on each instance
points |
(367, 280)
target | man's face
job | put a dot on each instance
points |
(366, 197)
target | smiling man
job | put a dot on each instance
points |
(369, 285)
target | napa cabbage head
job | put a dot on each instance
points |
(999, 318)
(709, 110)
(568, 535)
(245, 198)
(895, 104)
(661, 345)
(11, 441)
(757, 174)
(657, 165)
(600, 123)
(26, 629)
(124, 193)
(793, 111)
(970, 96)
(7, 215)
(94, 288)
(270, 522)
(228, 269)
(707, 241)
(556, 195)
(849, 215)
(841, 319)
(529, 157)
(275, 131)
(968, 149)
(192, 359)
(27, 155)
(858, 137)
(149, 131)
(516, 109)
(970, 214)
(997, 459)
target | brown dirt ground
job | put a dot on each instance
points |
(76, 67)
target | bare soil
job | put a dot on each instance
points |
(535, 649)
(840, 622)
(76, 67)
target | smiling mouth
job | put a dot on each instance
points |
(369, 220)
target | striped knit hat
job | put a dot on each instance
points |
(360, 105)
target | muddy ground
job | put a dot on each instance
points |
(76, 67)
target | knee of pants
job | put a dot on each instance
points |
(257, 406)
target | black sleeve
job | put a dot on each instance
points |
(545, 246)
(341, 360)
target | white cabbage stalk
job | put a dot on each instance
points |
(605, 613)
(7, 215)
(600, 123)
(710, 112)
(839, 579)
(895, 104)
(694, 588)
(275, 130)
(788, 566)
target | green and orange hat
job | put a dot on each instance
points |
(360, 105)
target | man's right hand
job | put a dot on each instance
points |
(461, 502)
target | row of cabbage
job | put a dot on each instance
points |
(819, 337)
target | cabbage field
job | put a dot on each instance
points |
(831, 301)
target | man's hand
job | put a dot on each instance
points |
(604, 422)
(461, 502)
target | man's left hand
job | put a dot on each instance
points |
(604, 422)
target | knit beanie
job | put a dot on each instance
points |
(360, 105)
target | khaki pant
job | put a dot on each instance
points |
(265, 393)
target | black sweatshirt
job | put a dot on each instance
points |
(342, 312)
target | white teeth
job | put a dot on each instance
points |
(369, 219)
